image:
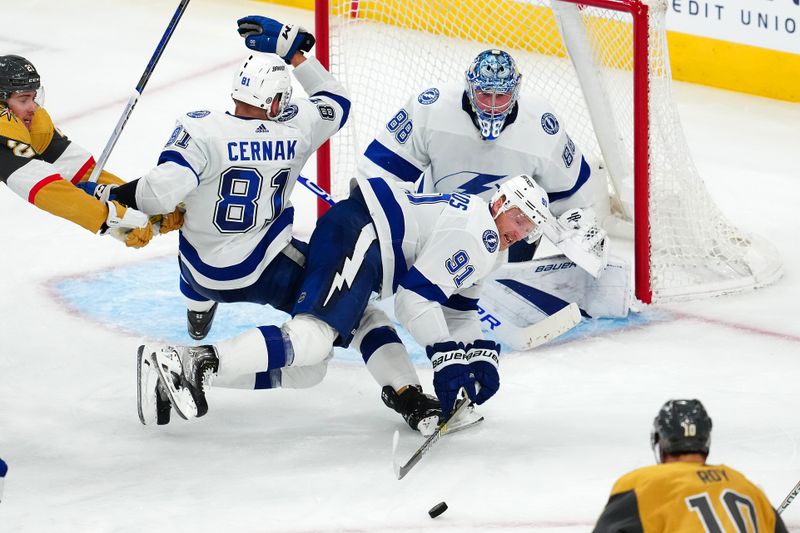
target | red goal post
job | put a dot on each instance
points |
(604, 66)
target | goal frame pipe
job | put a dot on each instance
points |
(641, 96)
(641, 137)
(322, 53)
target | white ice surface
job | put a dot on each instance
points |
(568, 420)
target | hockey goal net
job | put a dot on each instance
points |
(604, 66)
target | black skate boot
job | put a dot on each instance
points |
(185, 373)
(199, 322)
(420, 411)
(163, 407)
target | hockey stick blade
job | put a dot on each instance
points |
(543, 331)
(789, 498)
(444, 428)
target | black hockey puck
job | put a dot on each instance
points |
(437, 509)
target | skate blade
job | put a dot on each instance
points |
(467, 419)
(143, 367)
(147, 391)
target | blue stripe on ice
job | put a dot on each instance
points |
(143, 300)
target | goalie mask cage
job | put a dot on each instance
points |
(603, 65)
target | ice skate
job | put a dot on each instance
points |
(151, 396)
(185, 373)
(420, 411)
(199, 322)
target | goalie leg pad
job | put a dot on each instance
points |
(527, 292)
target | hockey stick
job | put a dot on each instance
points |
(98, 167)
(527, 338)
(321, 193)
(400, 471)
(789, 498)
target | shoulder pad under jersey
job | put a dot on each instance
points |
(42, 130)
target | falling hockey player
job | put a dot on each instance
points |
(430, 251)
(40, 164)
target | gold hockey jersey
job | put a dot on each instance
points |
(687, 498)
(41, 166)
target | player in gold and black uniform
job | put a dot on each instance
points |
(683, 493)
(42, 165)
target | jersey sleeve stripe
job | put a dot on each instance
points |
(82, 171)
(41, 184)
(417, 283)
(343, 102)
(171, 156)
(462, 303)
(397, 226)
(391, 162)
(248, 265)
(583, 176)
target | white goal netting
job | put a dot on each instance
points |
(580, 58)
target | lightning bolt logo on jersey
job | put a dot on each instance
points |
(428, 250)
(352, 264)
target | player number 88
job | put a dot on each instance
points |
(400, 126)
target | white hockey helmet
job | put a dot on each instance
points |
(260, 80)
(529, 197)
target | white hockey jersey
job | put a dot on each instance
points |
(433, 136)
(435, 249)
(235, 177)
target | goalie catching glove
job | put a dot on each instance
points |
(264, 34)
(577, 234)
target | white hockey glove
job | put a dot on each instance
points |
(577, 234)
(128, 225)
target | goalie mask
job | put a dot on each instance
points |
(18, 75)
(493, 83)
(681, 426)
(529, 197)
(260, 81)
